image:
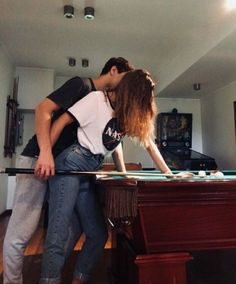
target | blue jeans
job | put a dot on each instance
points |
(69, 194)
(28, 202)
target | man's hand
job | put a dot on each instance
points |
(45, 166)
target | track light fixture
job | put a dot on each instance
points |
(69, 11)
(89, 13)
(85, 62)
(197, 86)
(72, 61)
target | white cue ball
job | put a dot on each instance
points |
(202, 173)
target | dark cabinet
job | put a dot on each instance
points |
(174, 139)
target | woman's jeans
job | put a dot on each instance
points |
(71, 193)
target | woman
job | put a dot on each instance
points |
(104, 119)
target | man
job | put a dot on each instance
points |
(38, 154)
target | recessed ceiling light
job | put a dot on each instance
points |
(197, 86)
(89, 13)
(72, 61)
(69, 11)
(85, 62)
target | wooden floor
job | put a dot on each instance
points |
(33, 256)
(213, 267)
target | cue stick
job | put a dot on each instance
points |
(62, 172)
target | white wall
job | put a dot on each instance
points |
(218, 126)
(60, 80)
(135, 153)
(6, 83)
(28, 130)
(34, 85)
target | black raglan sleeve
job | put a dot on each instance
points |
(70, 92)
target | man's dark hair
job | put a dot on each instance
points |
(121, 64)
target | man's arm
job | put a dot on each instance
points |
(118, 158)
(43, 113)
(58, 126)
(156, 156)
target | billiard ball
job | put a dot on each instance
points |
(202, 173)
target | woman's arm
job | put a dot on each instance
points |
(118, 158)
(156, 156)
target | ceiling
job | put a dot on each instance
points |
(180, 42)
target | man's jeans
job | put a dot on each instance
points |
(28, 201)
(66, 194)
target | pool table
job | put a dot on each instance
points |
(175, 217)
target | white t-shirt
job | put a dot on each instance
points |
(98, 131)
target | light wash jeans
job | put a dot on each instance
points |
(28, 202)
(69, 193)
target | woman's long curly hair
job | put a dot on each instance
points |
(135, 105)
